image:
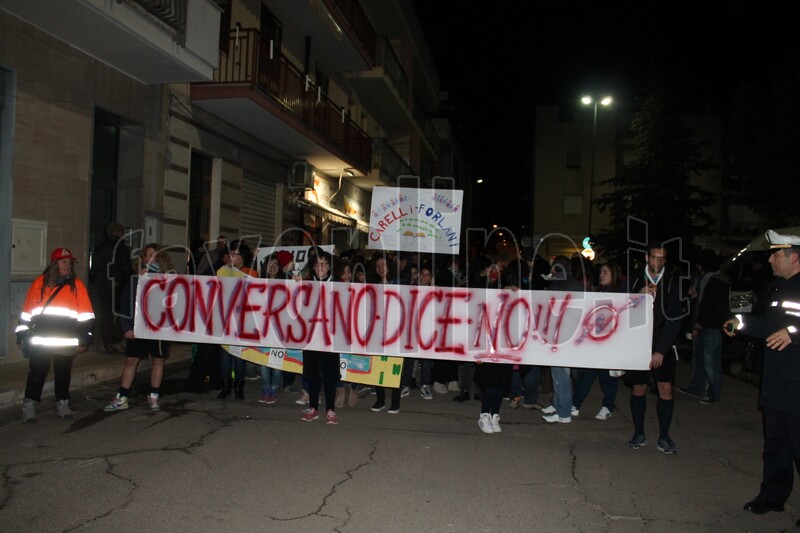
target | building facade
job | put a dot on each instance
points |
(268, 120)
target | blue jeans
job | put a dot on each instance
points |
(707, 362)
(562, 391)
(583, 383)
(270, 379)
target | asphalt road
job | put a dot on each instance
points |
(202, 464)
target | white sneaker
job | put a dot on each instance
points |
(405, 391)
(603, 414)
(553, 418)
(453, 386)
(425, 392)
(439, 388)
(303, 399)
(485, 423)
(496, 423)
(62, 407)
(152, 400)
(120, 403)
(549, 410)
(575, 412)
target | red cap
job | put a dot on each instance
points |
(61, 253)
(284, 257)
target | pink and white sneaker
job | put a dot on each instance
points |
(331, 417)
(309, 415)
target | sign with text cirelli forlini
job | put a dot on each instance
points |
(420, 220)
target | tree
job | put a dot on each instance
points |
(765, 136)
(656, 185)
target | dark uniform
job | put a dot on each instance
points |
(780, 390)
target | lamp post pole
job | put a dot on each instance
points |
(588, 100)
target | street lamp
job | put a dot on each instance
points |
(588, 100)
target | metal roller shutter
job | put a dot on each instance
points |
(258, 209)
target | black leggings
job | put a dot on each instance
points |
(321, 368)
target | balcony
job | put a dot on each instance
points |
(152, 41)
(385, 92)
(388, 163)
(342, 37)
(271, 99)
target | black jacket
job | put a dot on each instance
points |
(667, 313)
(780, 384)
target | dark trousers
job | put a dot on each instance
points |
(321, 368)
(106, 309)
(405, 381)
(206, 362)
(781, 453)
(38, 367)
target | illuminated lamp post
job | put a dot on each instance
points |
(588, 100)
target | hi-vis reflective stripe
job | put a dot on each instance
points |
(741, 322)
(25, 316)
(791, 329)
(83, 317)
(21, 327)
(775, 303)
(791, 305)
(54, 341)
(55, 311)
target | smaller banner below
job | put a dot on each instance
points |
(379, 371)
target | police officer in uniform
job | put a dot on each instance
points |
(780, 386)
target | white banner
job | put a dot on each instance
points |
(419, 220)
(551, 328)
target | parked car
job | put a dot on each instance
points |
(751, 275)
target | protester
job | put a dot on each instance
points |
(611, 279)
(321, 369)
(238, 263)
(55, 324)
(656, 280)
(154, 259)
(111, 269)
(271, 377)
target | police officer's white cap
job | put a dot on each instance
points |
(776, 240)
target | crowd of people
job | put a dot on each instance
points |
(57, 321)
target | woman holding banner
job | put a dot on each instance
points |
(321, 369)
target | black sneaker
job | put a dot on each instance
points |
(463, 396)
(394, 409)
(378, 407)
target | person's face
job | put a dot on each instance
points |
(272, 268)
(605, 276)
(414, 274)
(321, 268)
(381, 268)
(222, 242)
(64, 267)
(425, 277)
(346, 274)
(360, 276)
(781, 262)
(148, 255)
(236, 258)
(656, 259)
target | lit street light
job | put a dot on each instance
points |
(588, 100)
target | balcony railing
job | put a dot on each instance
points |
(354, 14)
(248, 61)
(388, 161)
(425, 124)
(387, 58)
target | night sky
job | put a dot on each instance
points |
(499, 60)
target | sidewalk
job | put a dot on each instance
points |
(93, 367)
